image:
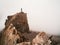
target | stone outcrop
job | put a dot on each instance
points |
(19, 20)
(41, 39)
(10, 36)
(16, 32)
(24, 43)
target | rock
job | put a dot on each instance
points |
(41, 39)
(10, 36)
(24, 43)
(18, 25)
(16, 32)
(19, 20)
(55, 39)
(58, 44)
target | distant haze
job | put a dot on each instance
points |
(43, 15)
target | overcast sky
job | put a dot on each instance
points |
(43, 15)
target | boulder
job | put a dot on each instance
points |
(41, 39)
(10, 36)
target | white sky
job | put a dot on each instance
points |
(43, 15)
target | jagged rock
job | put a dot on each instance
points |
(24, 43)
(41, 39)
(16, 32)
(55, 40)
(10, 36)
(19, 20)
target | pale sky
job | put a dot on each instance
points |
(43, 15)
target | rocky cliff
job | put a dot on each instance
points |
(19, 20)
(16, 32)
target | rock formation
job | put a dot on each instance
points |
(41, 39)
(10, 36)
(19, 20)
(24, 43)
(16, 32)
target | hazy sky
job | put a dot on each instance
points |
(43, 15)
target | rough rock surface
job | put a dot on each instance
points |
(24, 43)
(10, 36)
(20, 22)
(16, 32)
(41, 39)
